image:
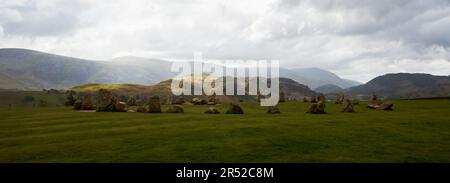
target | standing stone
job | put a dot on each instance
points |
(313, 99)
(355, 101)
(106, 101)
(282, 97)
(155, 105)
(87, 103)
(212, 100)
(178, 100)
(347, 106)
(340, 98)
(120, 107)
(77, 105)
(175, 109)
(204, 102)
(317, 108)
(235, 108)
(212, 110)
(305, 99)
(196, 101)
(273, 110)
(131, 101)
(321, 98)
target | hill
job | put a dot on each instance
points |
(315, 77)
(32, 70)
(291, 88)
(328, 88)
(405, 85)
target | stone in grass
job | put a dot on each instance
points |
(347, 106)
(155, 105)
(235, 108)
(212, 110)
(273, 110)
(317, 108)
(175, 109)
(141, 109)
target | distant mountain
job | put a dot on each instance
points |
(294, 89)
(328, 88)
(351, 83)
(32, 70)
(315, 77)
(404, 85)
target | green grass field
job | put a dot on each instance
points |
(416, 131)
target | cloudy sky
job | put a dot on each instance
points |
(356, 39)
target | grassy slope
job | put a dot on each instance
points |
(417, 131)
(94, 87)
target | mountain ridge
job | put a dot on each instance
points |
(25, 69)
(404, 86)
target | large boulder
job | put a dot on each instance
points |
(175, 109)
(204, 102)
(212, 100)
(347, 106)
(154, 105)
(379, 104)
(120, 107)
(212, 110)
(340, 98)
(131, 101)
(387, 106)
(77, 105)
(321, 98)
(374, 104)
(87, 103)
(178, 100)
(106, 101)
(196, 101)
(141, 109)
(273, 110)
(235, 108)
(317, 108)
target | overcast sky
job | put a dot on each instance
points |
(356, 39)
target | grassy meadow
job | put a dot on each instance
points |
(416, 131)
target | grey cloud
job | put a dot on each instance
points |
(351, 37)
(33, 19)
